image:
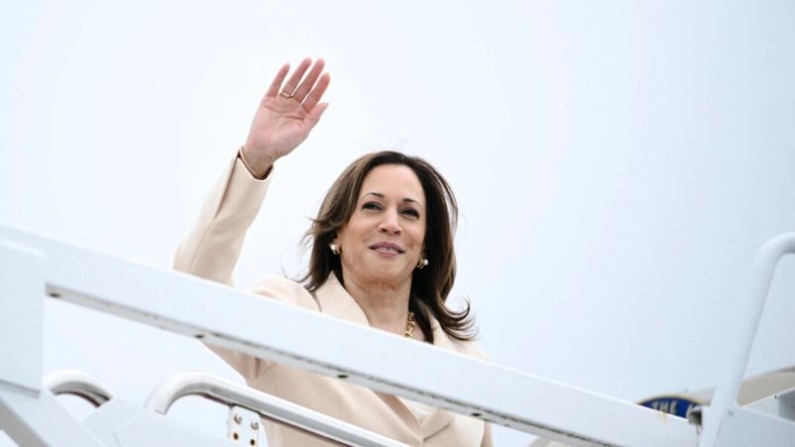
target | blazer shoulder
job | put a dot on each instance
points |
(470, 348)
(286, 291)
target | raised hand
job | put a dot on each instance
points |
(285, 116)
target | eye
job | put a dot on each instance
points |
(371, 206)
(411, 212)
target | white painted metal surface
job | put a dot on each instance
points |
(270, 407)
(220, 315)
(21, 315)
(119, 423)
(243, 426)
(40, 421)
(786, 405)
(747, 428)
(741, 333)
(780, 404)
(78, 384)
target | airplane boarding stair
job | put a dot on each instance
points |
(33, 268)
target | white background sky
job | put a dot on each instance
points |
(618, 163)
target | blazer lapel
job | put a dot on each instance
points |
(334, 300)
(439, 418)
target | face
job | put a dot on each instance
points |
(383, 240)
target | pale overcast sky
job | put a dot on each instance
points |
(618, 164)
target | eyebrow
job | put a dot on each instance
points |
(381, 196)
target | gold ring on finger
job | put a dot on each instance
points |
(286, 95)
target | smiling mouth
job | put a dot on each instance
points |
(387, 248)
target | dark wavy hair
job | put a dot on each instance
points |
(431, 285)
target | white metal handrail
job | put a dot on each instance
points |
(742, 335)
(220, 316)
(78, 384)
(269, 407)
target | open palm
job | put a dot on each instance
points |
(287, 113)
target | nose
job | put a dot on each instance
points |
(390, 223)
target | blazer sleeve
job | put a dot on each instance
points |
(487, 438)
(212, 247)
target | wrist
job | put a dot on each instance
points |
(258, 166)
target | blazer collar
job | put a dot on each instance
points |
(334, 300)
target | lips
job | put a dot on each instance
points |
(387, 247)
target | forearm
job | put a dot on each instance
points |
(213, 246)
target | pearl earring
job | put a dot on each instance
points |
(422, 264)
(334, 248)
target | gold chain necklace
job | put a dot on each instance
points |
(409, 325)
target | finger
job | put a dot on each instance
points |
(316, 94)
(295, 78)
(276, 84)
(314, 115)
(309, 82)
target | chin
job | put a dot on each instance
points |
(389, 276)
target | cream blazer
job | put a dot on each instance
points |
(211, 251)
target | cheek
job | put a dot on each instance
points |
(350, 234)
(420, 237)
